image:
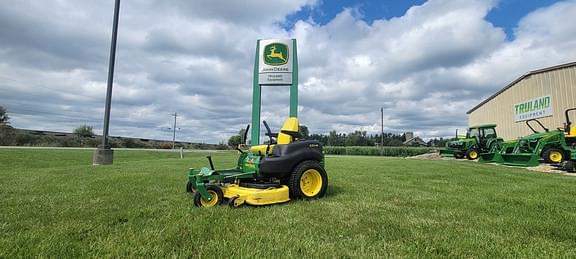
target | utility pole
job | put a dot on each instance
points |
(104, 155)
(174, 130)
(381, 130)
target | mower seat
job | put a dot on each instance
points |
(288, 133)
(572, 133)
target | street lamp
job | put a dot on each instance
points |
(103, 154)
(381, 130)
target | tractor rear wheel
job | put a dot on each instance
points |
(472, 154)
(308, 181)
(554, 155)
(216, 197)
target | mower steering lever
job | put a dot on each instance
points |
(210, 161)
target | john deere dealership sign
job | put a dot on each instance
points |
(275, 65)
(532, 109)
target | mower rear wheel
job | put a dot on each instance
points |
(216, 196)
(308, 181)
(554, 155)
(472, 154)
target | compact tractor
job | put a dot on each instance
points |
(553, 146)
(286, 167)
(479, 139)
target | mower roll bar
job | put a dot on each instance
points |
(540, 123)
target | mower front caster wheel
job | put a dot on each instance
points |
(216, 197)
(235, 203)
(189, 187)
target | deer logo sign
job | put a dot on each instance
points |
(276, 54)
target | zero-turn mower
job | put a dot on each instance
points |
(286, 167)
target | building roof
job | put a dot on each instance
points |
(571, 64)
(483, 126)
(414, 140)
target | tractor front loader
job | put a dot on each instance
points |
(552, 146)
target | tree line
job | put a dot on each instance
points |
(83, 136)
(356, 138)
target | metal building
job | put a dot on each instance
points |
(542, 94)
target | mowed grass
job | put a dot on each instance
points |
(54, 203)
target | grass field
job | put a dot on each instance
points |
(53, 203)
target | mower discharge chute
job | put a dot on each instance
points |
(284, 168)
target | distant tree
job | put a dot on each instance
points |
(3, 116)
(236, 140)
(7, 133)
(84, 131)
(320, 137)
(304, 131)
(395, 142)
(129, 143)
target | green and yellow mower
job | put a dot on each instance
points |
(286, 167)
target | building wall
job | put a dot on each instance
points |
(560, 84)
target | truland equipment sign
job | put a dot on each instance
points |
(275, 62)
(532, 109)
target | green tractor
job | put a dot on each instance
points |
(447, 151)
(479, 139)
(553, 146)
(284, 168)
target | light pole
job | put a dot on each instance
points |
(381, 130)
(104, 155)
(174, 130)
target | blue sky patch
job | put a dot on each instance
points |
(506, 14)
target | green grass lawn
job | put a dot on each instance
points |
(54, 203)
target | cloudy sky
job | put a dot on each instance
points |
(425, 62)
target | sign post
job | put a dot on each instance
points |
(276, 64)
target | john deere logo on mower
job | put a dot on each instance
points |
(275, 54)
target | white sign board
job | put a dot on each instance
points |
(275, 62)
(532, 109)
